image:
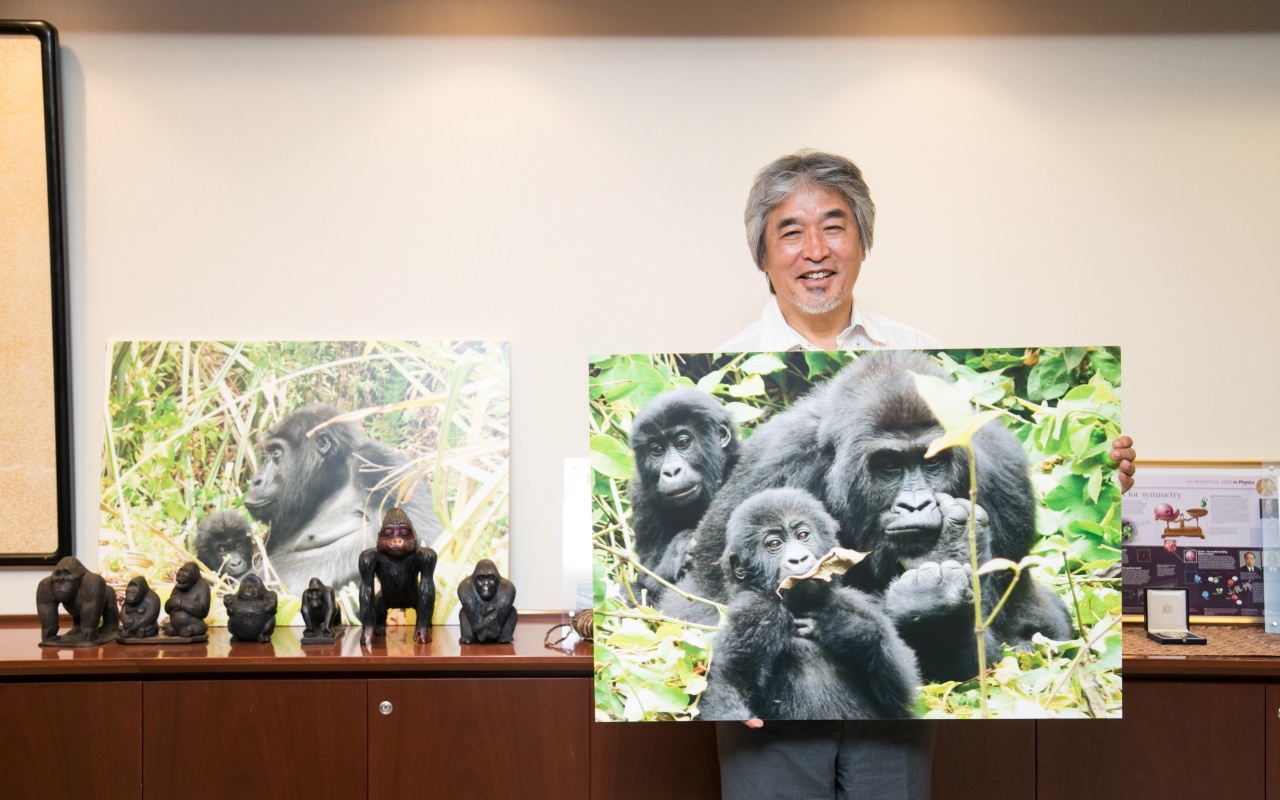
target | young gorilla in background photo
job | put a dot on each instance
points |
(818, 650)
(857, 443)
(685, 446)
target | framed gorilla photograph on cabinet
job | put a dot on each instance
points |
(883, 534)
(279, 460)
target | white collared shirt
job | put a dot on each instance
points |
(866, 331)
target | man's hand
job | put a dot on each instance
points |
(753, 723)
(1124, 453)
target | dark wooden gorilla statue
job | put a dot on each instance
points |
(322, 488)
(488, 612)
(685, 446)
(857, 443)
(320, 613)
(818, 650)
(251, 611)
(140, 612)
(223, 544)
(404, 572)
(95, 617)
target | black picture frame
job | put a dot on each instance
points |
(59, 361)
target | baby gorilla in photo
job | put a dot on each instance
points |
(819, 650)
(684, 446)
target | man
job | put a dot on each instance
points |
(1249, 568)
(810, 222)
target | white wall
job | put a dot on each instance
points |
(585, 195)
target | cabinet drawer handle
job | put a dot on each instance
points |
(384, 707)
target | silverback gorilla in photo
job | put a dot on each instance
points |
(857, 443)
(323, 493)
(818, 650)
(685, 446)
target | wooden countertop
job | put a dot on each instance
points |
(21, 656)
(1233, 651)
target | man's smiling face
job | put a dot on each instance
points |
(812, 251)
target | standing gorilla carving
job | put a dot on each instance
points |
(95, 617)
(320, 493)
(685, 446)
(223, 544)
(821, 650)
(857, 443)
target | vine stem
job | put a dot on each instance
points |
(632, 561)
(979, 625)
(657, 617)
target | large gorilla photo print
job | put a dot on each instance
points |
(278, 460)
(857, 535)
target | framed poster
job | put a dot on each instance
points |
(1208, 528)
(282, 458)
(36, 522)
(809, 535)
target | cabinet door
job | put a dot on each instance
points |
(1177, 740)
(627, 757)
(254, 738)
(480, 737)
(71, 740)
(1273, 742)
(972, 757)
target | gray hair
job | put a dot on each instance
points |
(807, 168)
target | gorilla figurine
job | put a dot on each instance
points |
(251, 611)
(488, 613)
(139, 614)
(86, 597)
(188, 605)
(320, 613)
(405, 575)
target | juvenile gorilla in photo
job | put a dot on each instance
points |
(818, 651)
(685, 446)
(321, 491)
(857, 443)
(223, 544)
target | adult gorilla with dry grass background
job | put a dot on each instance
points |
(857, 443)
(322, 486)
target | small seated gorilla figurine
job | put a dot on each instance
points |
(86, 597)
(821, 650)
(405, 574)
(488, 613)
(188, 605)
(140, 611)
(320, 613)
(251, 611)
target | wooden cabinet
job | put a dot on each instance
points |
(1177, 740)
(71, 740)
(283, 738)
(217, 721)
(479, 737)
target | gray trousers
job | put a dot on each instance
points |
(878, 760)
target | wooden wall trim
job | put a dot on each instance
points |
(654, 17)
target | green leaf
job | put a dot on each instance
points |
(743, 413)
(711, 380)
(1108, 366)
(961, 437)
(1048, 379)
(610, 457)
(947, 402)
(763, 364)
(816, 361)
(753, 386)
(1073, 356)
